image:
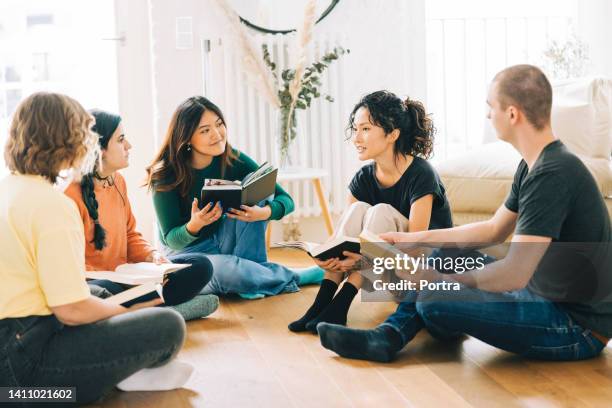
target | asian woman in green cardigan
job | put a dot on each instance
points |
(195, 149)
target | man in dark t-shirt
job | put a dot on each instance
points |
(551, 296)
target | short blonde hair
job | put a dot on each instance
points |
(49, 132)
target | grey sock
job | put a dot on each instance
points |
(198, 307)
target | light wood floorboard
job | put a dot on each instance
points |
(245, 356)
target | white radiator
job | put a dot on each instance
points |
(252, 123)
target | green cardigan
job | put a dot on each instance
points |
(174, 211)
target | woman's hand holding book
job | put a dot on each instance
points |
(201, 218)
(250, 213)
(336, 265)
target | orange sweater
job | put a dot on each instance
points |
(123, 243)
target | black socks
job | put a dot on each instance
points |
(379, 344)
(337, 309)
(324, 297)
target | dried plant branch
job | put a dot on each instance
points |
(251, 62)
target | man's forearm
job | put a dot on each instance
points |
(478, 232)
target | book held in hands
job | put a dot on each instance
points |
(373, 246)
(137, 273)
(333, 248)
(255, 187)
(145, 277)
(135, 292)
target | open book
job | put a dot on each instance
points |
(137, 273)
(136, 292)
(330, 249)
(373, 246)
(255, 187)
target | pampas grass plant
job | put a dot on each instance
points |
(249, 56)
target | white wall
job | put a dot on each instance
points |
(595, 28)
(386, 38)
(136, 103)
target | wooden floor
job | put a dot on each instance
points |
(245, 356)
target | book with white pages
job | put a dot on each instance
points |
(333, 248)
(255, 187)
(373, 246)
(136, 292)
(137, 273)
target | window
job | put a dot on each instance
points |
(468, 42)
(56, 46)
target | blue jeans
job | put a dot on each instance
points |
(520, 322)
(237, 251)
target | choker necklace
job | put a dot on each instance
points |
(106, 181)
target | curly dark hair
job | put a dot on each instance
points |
(389, 112)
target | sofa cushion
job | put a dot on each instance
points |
(582, 116)
(479, 180)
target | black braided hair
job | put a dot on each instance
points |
(89, 198)
(106, 124)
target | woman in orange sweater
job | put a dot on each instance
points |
(110, 227)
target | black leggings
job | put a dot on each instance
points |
(181, 286)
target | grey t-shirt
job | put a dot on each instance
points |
(559, 198)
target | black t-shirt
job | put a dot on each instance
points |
(419, 179)
(559, 198)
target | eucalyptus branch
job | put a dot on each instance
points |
(308, 90)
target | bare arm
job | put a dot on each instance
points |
(514, 271)
(420, 214)
(92, 310)
(496, 229)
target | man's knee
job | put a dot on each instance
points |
(438, 304)
(431, 303)
(436, 312)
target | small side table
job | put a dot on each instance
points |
(305, 174)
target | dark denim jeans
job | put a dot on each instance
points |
(520, 322)
(41, 351)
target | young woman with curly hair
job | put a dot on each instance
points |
(110, 227)
(197, 148)
(52, 330)
(398, 191)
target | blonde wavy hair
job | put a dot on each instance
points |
(49, 133)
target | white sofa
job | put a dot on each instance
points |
(478, 182)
